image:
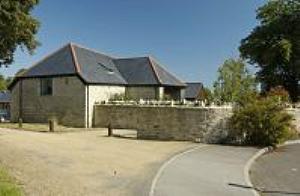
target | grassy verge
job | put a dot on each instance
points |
(8, 185)
(26, 126)
(39, 127)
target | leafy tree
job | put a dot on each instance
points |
(274, 46)
(8, 80)
(206, 95)
(17, 28)
(4, 82)
(280, 93)
(3, 85)
(233, 81)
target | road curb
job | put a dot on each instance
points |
(168, 162)
(256, 156)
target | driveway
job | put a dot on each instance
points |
(206, 171)
(83, 163)
(278, 173)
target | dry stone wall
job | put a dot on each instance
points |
(208, 125)
(296, 121)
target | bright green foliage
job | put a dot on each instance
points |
(3, 85)
(120, 97)
(261, 122)
(7, 185)
(4, 82)
(274, 45)
(8, 80)
(233, 81)
(17, 28)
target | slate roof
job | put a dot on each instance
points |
(96, 68)
(136, 70)
(193, 90)
(5, 96)
(145, 71)
(57, 63)
(165, 78)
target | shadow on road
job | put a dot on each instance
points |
(264, 191)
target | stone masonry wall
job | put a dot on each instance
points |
(166, 123)
(67, 103)
(296, 121)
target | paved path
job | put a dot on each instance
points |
(206, 171)
(279, 172)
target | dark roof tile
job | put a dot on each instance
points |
(136, 71)
(193, 90)
(96, 68)
(165, 77)
(57, 63)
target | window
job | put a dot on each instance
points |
(46, 86)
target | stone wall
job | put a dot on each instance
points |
(67, 103)
(166, 123)
(296, 121)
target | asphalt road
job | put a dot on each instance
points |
(278, 173)
(207, 171)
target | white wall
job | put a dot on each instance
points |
(98, 93)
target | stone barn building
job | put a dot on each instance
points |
(67, 83)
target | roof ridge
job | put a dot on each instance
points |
(93, 50)
(75, 60)
(164, 69)
(129, 58)
(154, 70)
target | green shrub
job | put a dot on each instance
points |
(261, 121)
(120, 97)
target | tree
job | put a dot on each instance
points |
(206, 95)
(4, 82)
(274, 46)
(8, 80)
(17, 28)
(234, 80)
(3, 85)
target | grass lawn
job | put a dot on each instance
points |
(8, 185)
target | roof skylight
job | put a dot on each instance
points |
(109, 70)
